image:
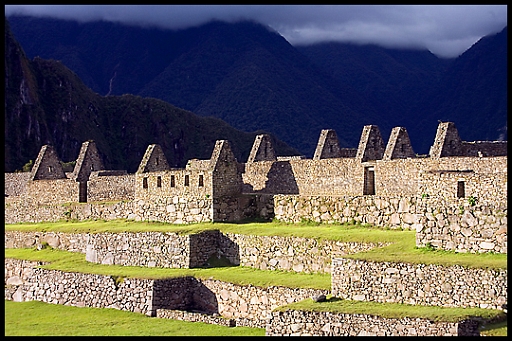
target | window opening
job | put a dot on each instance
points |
(173, 183)
(187, 180)
(369, 181)
(50, 169)
(145, 183)
(201, 184)
(159, 181)
(82, 191)
(460, 189)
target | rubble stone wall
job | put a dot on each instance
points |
(419, 284)
(307, 323)
(171, 250)
(455, 225)
(248, 305)
(111, 188)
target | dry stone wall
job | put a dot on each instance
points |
(286, 253)
(17, 211)
(111, 187)
(47, 192)
(171, 250)
(419, 284)
(306, 323)
(457, 225)
(16, 183)
(247, 305)
(26, 282)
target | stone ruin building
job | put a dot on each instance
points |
(455, 197)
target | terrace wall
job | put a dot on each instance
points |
(248, 305)
(307, 323)
(419, 284)
(171, 250)
(455, 225)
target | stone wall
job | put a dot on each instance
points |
(17, 211)
(173, 183)
(485, 178)
(111, 187)
(220, 302)
(170, 209)
(306, 323)
(171, 250)
(248, 305)
(26, 282)
(451, 225)
(46, 192)
(307, 255)
(16, 183)
(418, 284)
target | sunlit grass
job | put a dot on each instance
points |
(393, 310)
(35, 318)
(402, 248)
(75, 262)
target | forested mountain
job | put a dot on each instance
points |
(252, 78)
(46, 103)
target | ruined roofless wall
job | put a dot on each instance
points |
(87, 162)
(110, 187)
(448, 143)
(16, 183)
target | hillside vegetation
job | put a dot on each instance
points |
(46, 103)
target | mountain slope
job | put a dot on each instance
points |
(46, 103)
(472, 93)
(253, 78)
(270, 85)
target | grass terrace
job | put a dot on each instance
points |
(39, 318)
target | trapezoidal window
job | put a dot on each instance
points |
(145, 183)
(201, 181)
(159, 181)
(173, 181)
(461, 191)
(187, 180)
(369, 181)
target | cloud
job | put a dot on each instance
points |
(446, 30)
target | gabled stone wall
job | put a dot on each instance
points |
(222, 189)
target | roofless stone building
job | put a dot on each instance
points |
(455, 197)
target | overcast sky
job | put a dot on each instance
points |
(446, 30)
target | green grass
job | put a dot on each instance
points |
(494, 329)
(401, 250)
(393, 310)
(75, 262)
(35, 318)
